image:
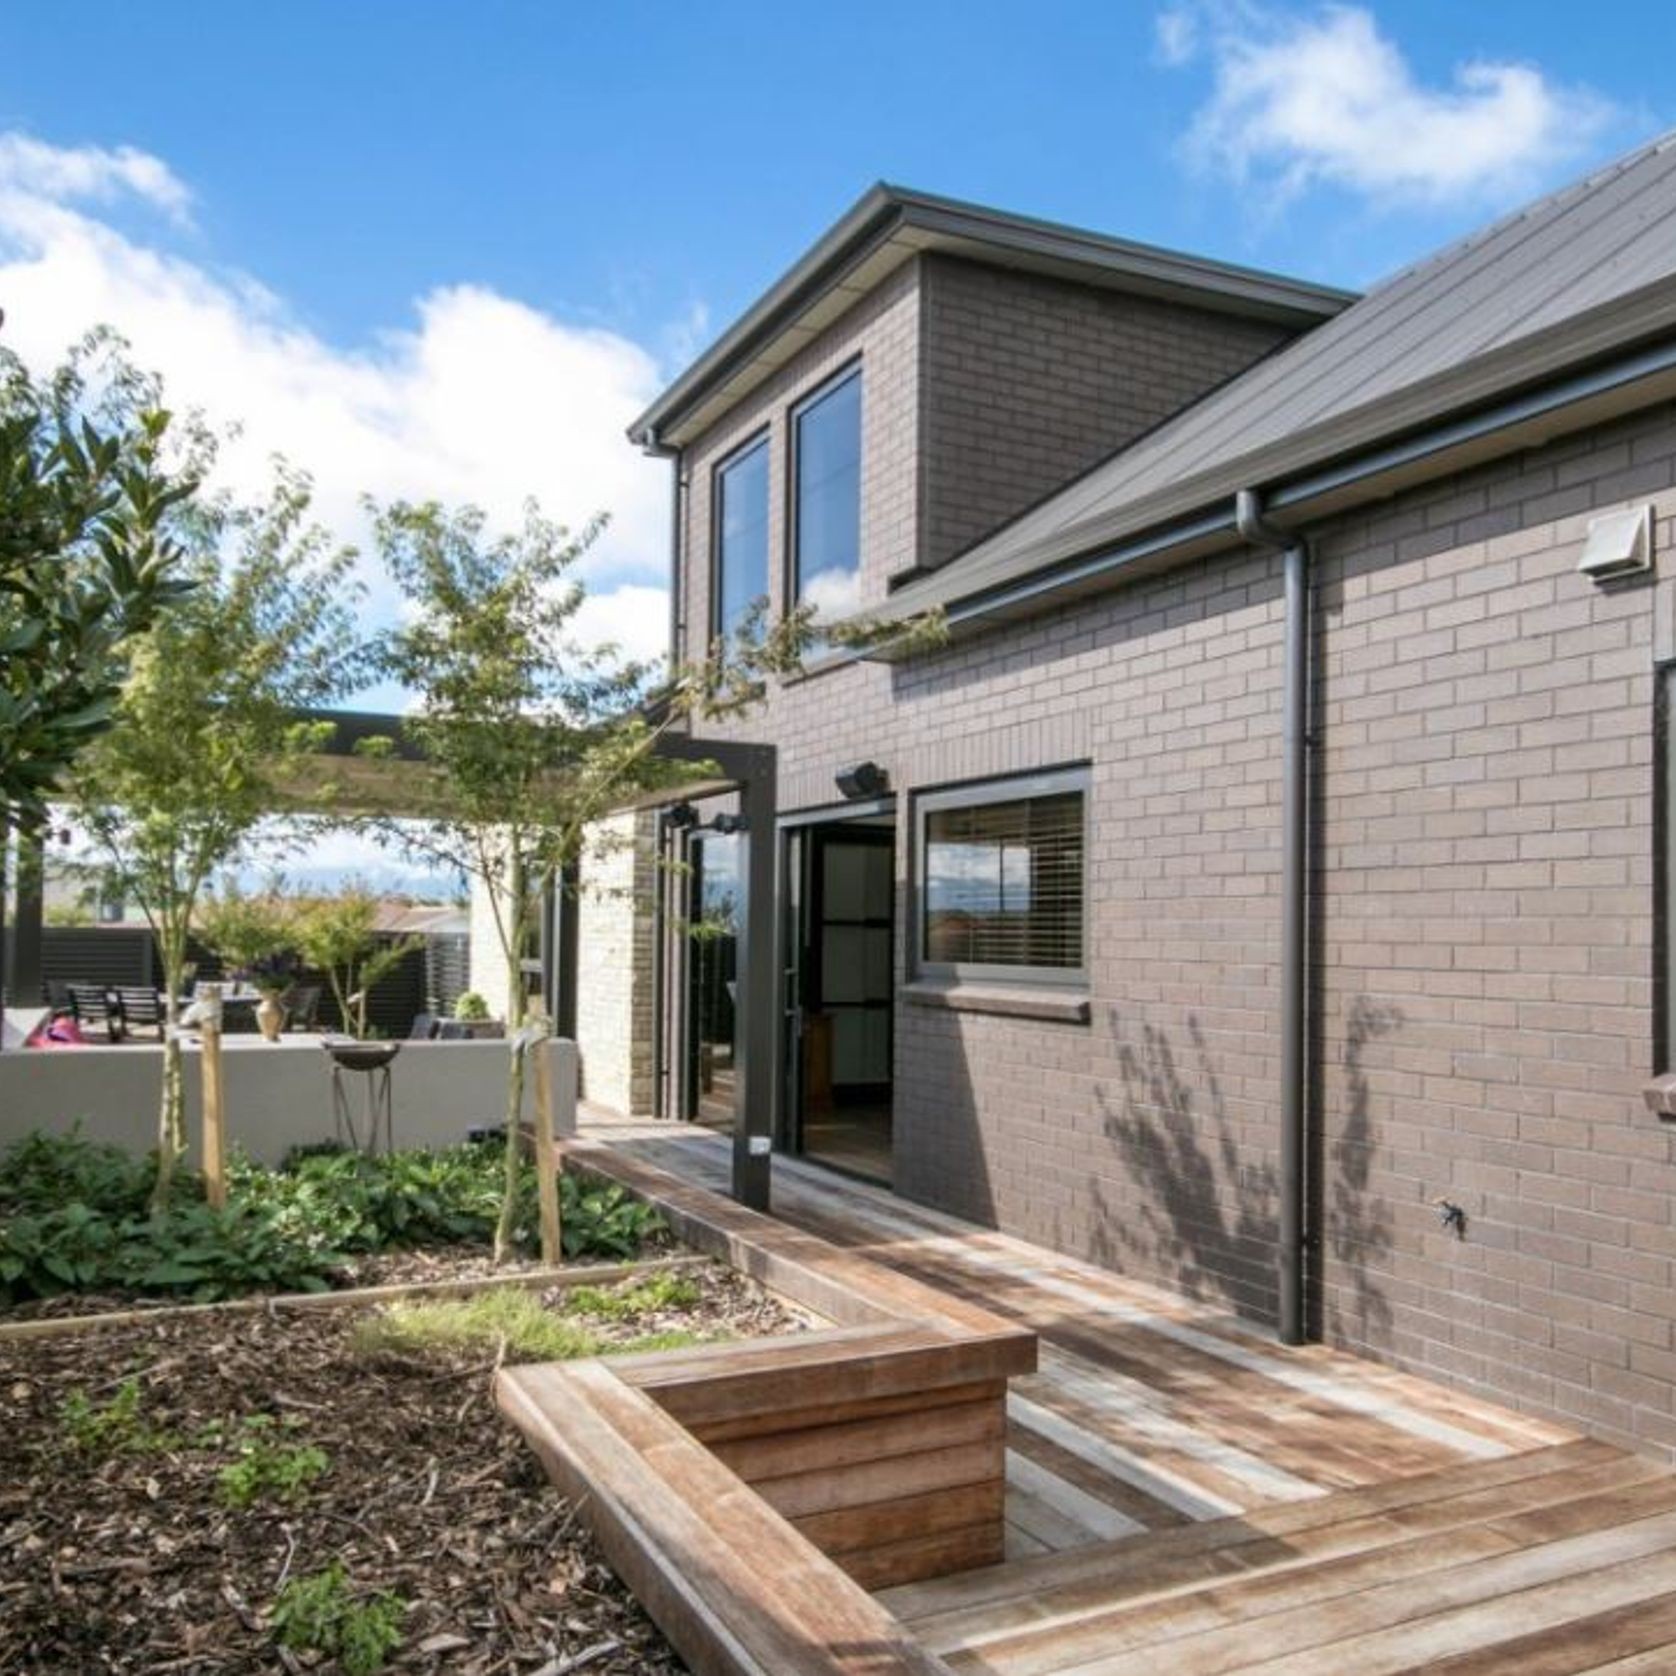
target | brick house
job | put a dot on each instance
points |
(1268, 865)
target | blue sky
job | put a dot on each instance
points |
(450, 249)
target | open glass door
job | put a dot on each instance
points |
(840, 992)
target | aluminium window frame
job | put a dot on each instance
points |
(1664, 868)
(1012, 788)
(810, 399)
(762, 437)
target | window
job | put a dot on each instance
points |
(1001, 880)
(826, 507)
(740, 573)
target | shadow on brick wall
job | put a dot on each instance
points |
(1358, 1222)
(1206, 1218)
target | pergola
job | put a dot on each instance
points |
(390, 783)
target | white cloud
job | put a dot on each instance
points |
(475, 396)
(634, 619)
(60, 173)
(1300, 99)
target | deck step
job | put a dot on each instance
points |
(1031, 1613)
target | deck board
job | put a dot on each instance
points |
(1184, 1494)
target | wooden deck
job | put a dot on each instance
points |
(1184, 1495)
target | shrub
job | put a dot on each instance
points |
(73, 1217)
(267, 1466)
(471, 1008)
(603, 1221)
(116, 1427)
(317, 1614)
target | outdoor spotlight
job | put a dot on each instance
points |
(866, 779)
(682, 817)
(727, 825)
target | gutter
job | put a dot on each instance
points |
(1335, 487)
(1258, 530)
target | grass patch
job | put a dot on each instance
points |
(515, 1317)
(629, 1302)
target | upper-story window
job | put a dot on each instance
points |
(826, 500)
(740, 577)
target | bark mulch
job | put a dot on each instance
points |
(126, 1558)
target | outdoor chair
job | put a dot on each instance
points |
(139, 1009)
(453, 1030)
(92, 1003)
(423, 1028)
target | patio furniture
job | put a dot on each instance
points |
(423, 1028)
(371, 1060)
(141, 1008)
(453, 1030)
(91, 1004)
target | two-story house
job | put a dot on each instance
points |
(1261, 888)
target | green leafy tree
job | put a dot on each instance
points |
(252, 931)
(339, 935)
(207, 740)
(529, 735)
(87, 556)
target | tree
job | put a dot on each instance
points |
(339, 935)
(87, 560)
(529, 735)
(206, 731)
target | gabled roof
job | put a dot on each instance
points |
(887, 227)
(1581, 275)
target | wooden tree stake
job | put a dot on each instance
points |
(215, 1111)
(546, 1164)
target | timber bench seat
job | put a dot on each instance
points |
(752, 1493)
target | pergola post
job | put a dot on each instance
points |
(752, 771)
(756, 1017)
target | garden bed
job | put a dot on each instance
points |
(175, 1492)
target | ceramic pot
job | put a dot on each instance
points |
(270, 1016)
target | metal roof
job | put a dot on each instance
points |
(1565, 281)
(888, 226)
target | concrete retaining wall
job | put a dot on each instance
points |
(278, 1094)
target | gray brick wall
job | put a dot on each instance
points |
(1483, 922)
(1027, 381)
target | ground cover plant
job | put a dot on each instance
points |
(292, 1492)
(77, 1219)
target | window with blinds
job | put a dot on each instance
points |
(1002, 879)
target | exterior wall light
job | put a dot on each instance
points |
(866, 779)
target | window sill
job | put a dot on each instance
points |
(1660, 1095)
(1060, 1006)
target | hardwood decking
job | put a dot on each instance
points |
(1183, 1495)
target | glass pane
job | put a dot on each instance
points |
(741, 538)
(1003, 883)
(828, 507)
(843, 976)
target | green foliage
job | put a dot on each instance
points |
(269, 1467)
(668, 1290)
(484, 1321)
(206, 730)
(339, 935)
(249, 930)
(75, 1216)
(88, 556)
(318, 1614)
(116, 1427)
(603, 1221)
(509, 1322)
(471, 1007)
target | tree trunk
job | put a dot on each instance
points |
(514, 1145)
(171, 1112)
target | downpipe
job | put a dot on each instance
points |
(1258, 530)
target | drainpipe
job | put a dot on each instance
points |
(1256, 529)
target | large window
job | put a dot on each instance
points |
(741, 559)
(826, 508)
(1001, 879)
